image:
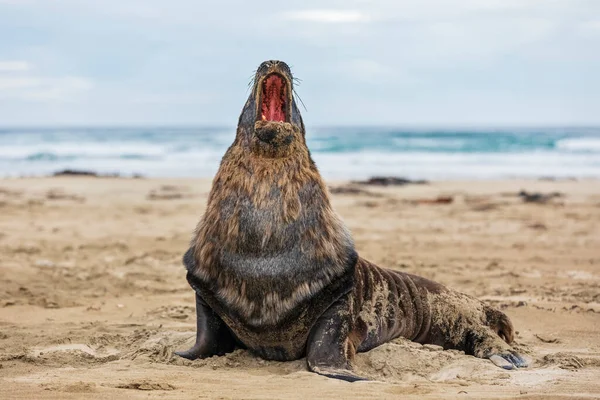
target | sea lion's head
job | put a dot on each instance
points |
(271, 124)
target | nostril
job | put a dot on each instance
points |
(287, 140)
(266, 135)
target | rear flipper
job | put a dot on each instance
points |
(329, 349)
(482, 342)
(509, 360)
(493, 341)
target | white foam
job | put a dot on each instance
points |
(197, 153)
(437, 143)
(579, 144)
(357, 165)
(90, 149)
(458, 165)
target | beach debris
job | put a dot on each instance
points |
(537, 197)
(75, 172)
(78, 172)
(437, 200)
(390, 181)
(60, 194)
(164, 196)
(146, 385)
(169, 192)
(547, 339)
(538, 226)
(352, 190)
(368, 204)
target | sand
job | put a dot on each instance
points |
(94, 300)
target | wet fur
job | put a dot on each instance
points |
(274, 266)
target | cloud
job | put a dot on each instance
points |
(8, 83)
(63, 89)
(151, 60)
(17, 83)
(374, 72)
(590, 27)
(14, 66)
(327, 16)
(15, 2)
(171, 98)
(474, 41)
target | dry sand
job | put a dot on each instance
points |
(94, 300)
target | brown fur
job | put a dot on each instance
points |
(253, 176)
(274, 263)
(269, 202)
(394, 304)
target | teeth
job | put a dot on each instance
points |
(263, 117)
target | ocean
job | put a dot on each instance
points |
(340, 152)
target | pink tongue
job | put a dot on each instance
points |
(272, 108)
(275, 113)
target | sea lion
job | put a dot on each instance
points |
(275, 269)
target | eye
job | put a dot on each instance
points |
(265, 65)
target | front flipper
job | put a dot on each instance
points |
(213, 337)
(502, 354)
(329, 349)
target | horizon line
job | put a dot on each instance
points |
(318, 126)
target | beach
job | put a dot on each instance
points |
(94, 299)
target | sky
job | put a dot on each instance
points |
(387, 62)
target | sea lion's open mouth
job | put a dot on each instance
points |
(274, 99)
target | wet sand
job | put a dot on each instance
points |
(94, 300)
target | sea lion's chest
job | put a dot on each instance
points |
(275, 264)
(273, 324)
(266, 272)
(272, 312)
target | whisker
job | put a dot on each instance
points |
(299, 98)
(252, 77)
(251, 83)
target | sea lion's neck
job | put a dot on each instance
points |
(269, 228)
(271, 213)
(275, 184)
